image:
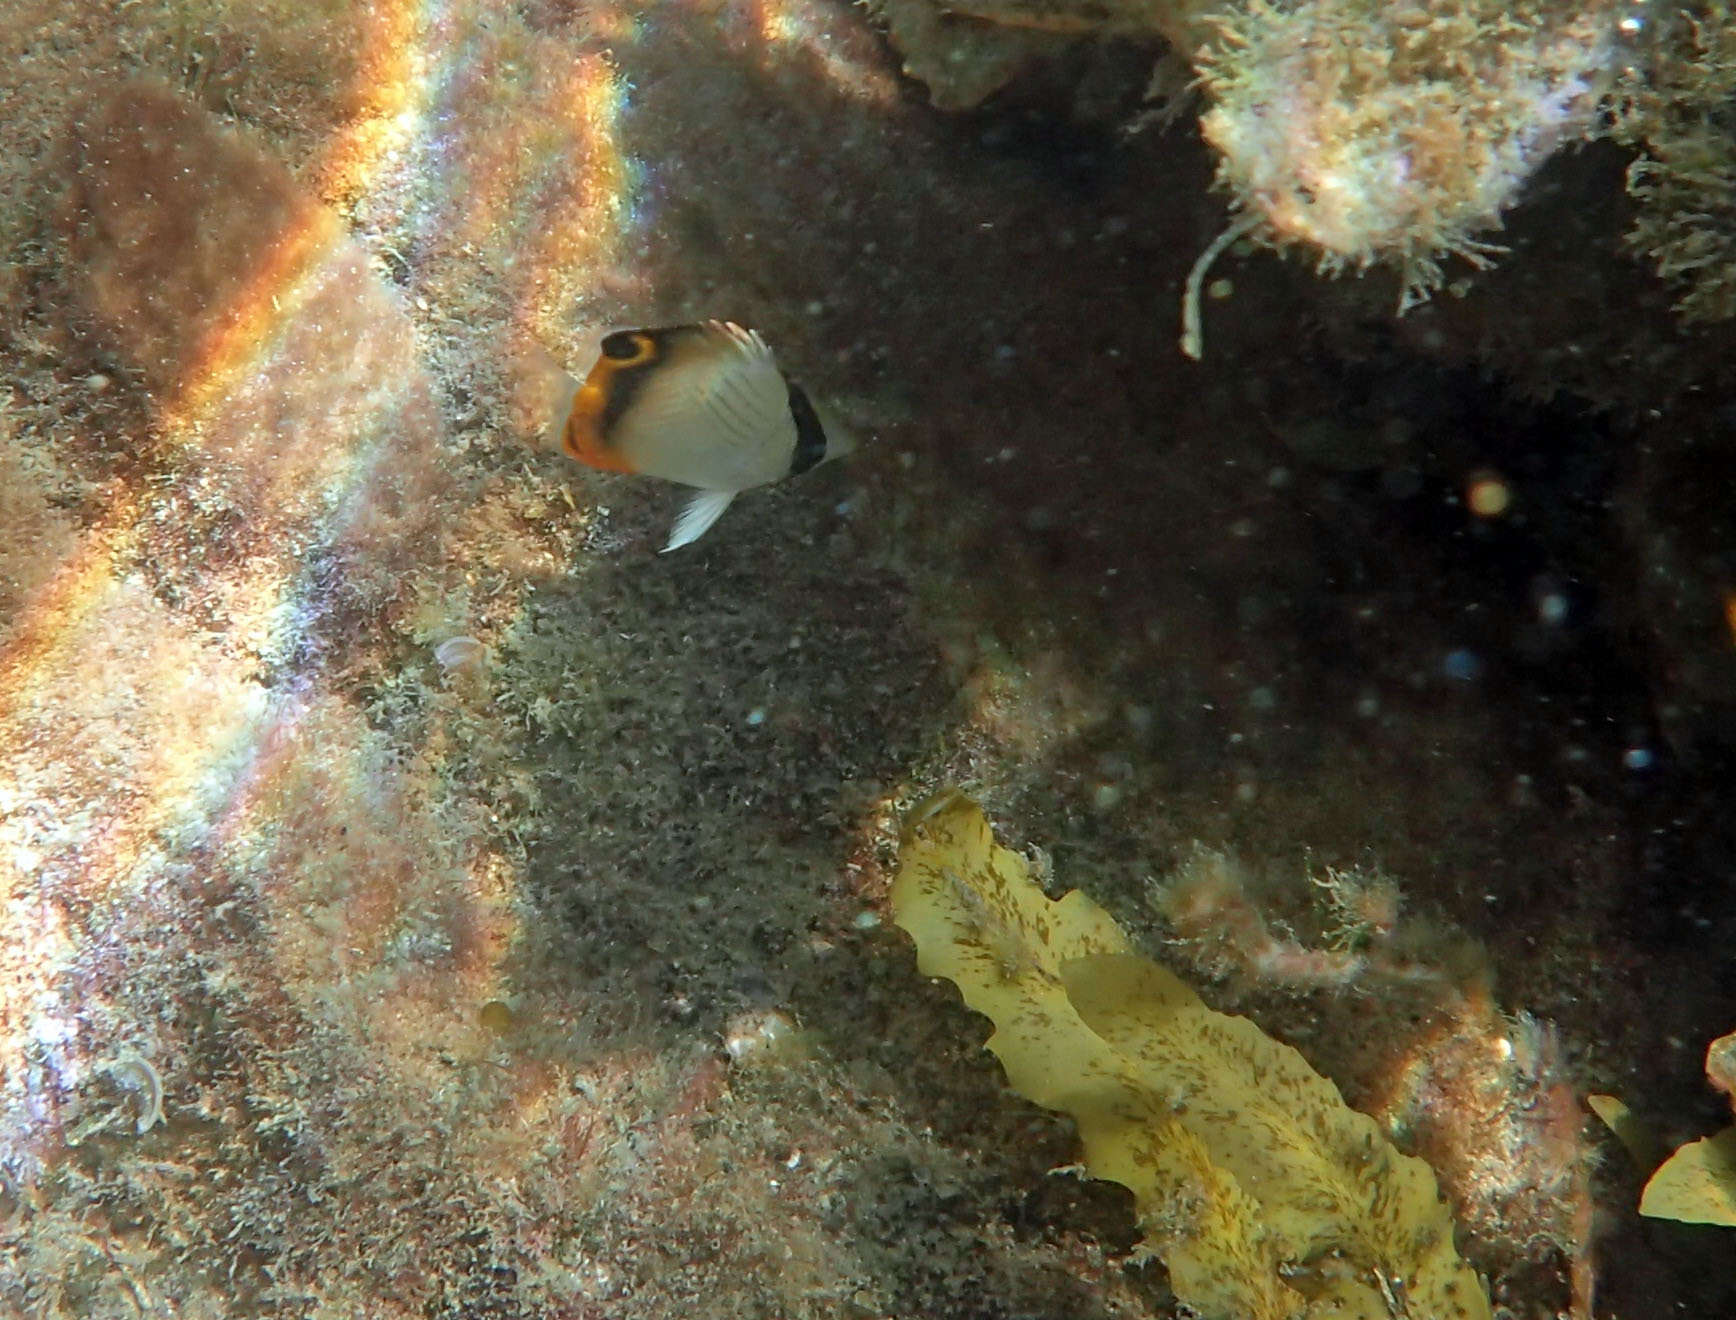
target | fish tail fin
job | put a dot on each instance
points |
(543, 396)
(840, 437)
(565, 390)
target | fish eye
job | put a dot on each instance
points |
(627, 345)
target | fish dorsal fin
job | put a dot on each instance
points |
(705, 508)
(747, 395)
(749, 343)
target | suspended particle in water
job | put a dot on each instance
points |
(1462, 665)
(1487, 494)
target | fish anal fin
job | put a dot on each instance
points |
(705, 508)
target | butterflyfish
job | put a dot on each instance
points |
(703, 405)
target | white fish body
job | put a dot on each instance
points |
(702, 405)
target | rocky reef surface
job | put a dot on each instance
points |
(425, 900)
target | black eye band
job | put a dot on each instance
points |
(810, 435)
(623, 344)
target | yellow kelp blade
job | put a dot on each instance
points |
(1265, 1195)
(1696, 1185)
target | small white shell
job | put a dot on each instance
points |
(758, 1035)
(135, 1073)
(460, 653)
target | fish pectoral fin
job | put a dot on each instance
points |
(702, 510)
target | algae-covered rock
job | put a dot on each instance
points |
(1262, 1192)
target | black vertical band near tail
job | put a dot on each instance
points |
(810, 435)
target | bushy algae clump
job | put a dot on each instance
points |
(1263, 1193)
(1683, 115)
(1365, 131)
(1370, 131)
(1398, 132)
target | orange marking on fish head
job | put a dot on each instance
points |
(606, 394)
